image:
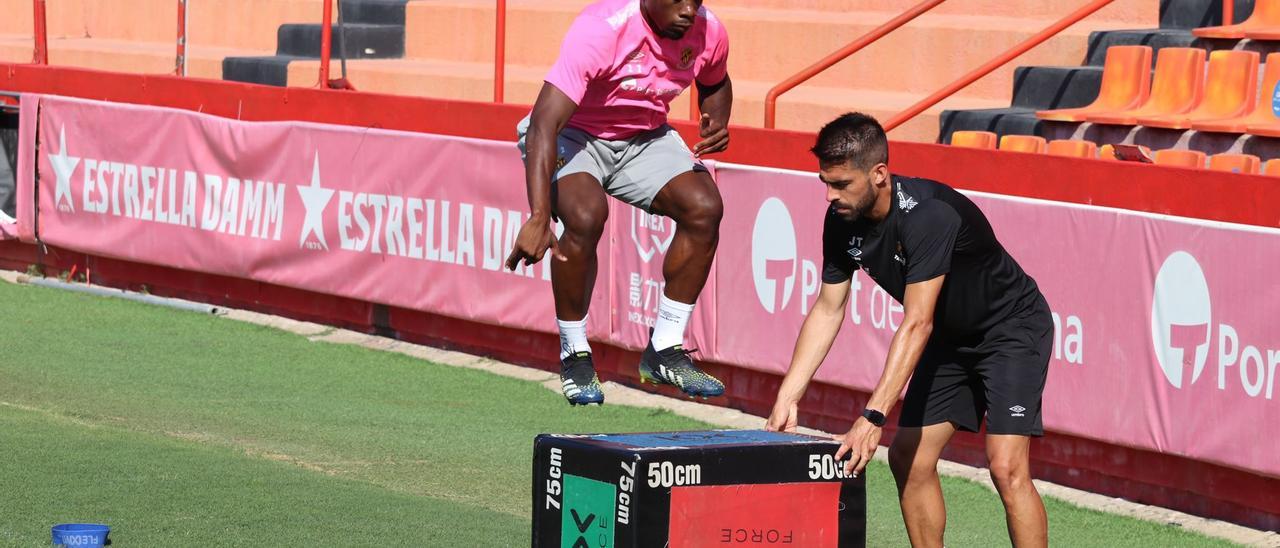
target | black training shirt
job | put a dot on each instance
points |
(932, 230)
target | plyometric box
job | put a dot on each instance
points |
(691, 489)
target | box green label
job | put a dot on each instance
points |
(587, 520)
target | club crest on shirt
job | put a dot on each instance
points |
(905, 203)
(686, 57)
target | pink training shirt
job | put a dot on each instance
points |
(623, 76)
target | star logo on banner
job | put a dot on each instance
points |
(315, 199)
(63, 167)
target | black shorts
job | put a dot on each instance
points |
(1002, 377)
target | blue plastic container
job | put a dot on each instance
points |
(81, 535)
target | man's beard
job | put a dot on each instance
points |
(860, 209)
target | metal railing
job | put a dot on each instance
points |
(499, 50)
(326, 43)
(999, 61)
(180, 63)
(326, 48)
(770, 109)
(41, 37)
(771, 99)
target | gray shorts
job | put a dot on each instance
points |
(632, 170)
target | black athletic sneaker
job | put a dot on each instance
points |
(578, 380)
(673, 366)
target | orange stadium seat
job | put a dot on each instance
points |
(1271, 167)
(973, 139)
(1078, 149)
(1264, 20)
(1180, 158)
(1126, 83)
(1176, 88)
(1235, 163)
(1262, 112)
(1265, 129)
(1230, 91)
(1269, 27)
(1023, 143)
(1107, 152)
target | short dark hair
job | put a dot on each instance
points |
(853, 137)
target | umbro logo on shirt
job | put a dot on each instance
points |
(855, 248)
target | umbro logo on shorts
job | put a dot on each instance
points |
(1018, 411)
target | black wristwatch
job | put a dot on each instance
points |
(874, 417)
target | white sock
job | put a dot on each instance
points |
(573, 337)
(673, 316)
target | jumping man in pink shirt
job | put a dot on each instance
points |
(599, 127)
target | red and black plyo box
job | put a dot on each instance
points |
(692, 489)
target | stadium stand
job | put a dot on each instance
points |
(1229, 91)
(1262, 112)
(1075, 149)
(1180, 158)
(1023, 143)
(1229, 112)
(1176, 88)
(974, 139)
(1126, 84)
(1235, 163)
(1264, 22)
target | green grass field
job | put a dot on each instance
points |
(176, 428)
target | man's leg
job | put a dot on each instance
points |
(1010, 463)
(580, 203)
(940, 399)
(583, 208)
(692, 201)
(1014, 377)
(913, 458)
